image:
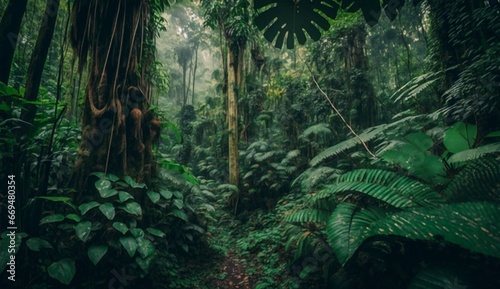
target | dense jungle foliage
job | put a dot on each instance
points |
(250, 144)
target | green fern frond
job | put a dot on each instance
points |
(473, 226)
(348, 227)
(314, 177)
(415, 86)
(479, 180)
(308, 215)
(367, 135)
(227, 188)
(396, 190)
(476, 153)
(320, 128)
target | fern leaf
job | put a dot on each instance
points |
(396, 190)
(348, 227)
(473, 226)
(479, 180)
(313, 177)
(308, 215)
(227, 188)
(367, 135)
(476, 153)
(320, 128)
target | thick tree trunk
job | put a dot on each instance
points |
(9, 32)
(118, 129)
(38, 58)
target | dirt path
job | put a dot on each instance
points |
(235, 276)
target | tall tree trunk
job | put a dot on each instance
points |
(232, 116)
(194, 70)
(9, 31)
(38, 58)
(118, 129)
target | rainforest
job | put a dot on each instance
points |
(267, 144)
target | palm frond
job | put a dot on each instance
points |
(367, 135)
(320, 128)
(479, 180)
(476, 153)
(473, 225)
(348, 226)
(313, 177)
(308, 215)
(396, 190)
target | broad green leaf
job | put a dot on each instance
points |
(153, 196)
(124, 196)
(108, 193)
(36, 244)
(155, 232)
(84, 208)
(145, 247)
(103, 186)
(83, 229)
(64, 200)
(460, 137)
(52, 219)
(96, 252)
(63, 270)
(178, 195)
(133, 183)
(108, 210)
(132, 208)
(180, 214)
(166, 194)
(420, 140)
(73, 217)
(130, 244)
(120, 227)
(137, 232)
(178, 203)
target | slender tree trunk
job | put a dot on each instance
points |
(232, 115)
(194, 70)
(39, 57)
(9, 32)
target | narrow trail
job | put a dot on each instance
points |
(235, 275)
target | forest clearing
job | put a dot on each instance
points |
(250, 144)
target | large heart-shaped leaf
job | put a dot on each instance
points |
(36, 244)
(153, 196)
(130, 244)
(108, 210)
(63, 271)
(124, 196)
(133, 183)
(95, 253)
(84, 208)
(83, 229)
(120, 227)
(103, 186)
(145, 247)
(460, 137)
(133, 208)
